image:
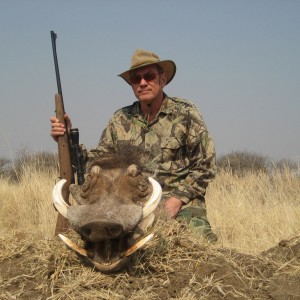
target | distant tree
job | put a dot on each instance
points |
(242, 162)
(4, 165)
(3, 162)
(40, 161)
(286, 164)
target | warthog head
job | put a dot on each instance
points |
(115, 206)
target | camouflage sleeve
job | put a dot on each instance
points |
(202, 160)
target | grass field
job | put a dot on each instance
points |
(257, 256)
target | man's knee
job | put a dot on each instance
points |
(196, 218)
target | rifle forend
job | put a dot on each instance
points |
(64, 148)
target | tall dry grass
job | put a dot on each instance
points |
(254, 212)
(25, 205)
(249, 213)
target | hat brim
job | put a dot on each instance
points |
(168, 66)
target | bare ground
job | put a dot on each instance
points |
(175, 265)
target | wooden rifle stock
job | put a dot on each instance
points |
(65, 166)
(64, 147)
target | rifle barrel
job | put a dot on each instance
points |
(53, 39)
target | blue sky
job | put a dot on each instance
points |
(238, 61)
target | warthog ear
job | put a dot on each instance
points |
(95, 170)
(133, 170)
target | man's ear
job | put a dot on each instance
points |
(163, 78)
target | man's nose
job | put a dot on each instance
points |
(143, 81)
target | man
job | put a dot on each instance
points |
(171, 135)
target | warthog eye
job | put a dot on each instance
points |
(86, 231)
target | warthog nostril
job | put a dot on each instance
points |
(114, 231)
(96, 231)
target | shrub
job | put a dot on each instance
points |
(242, 162)
(40, 161)
(5, 165)
(286, 164)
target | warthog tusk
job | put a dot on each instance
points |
(72, 245)
(138, 245)
(109, 268)
(121, 262)
(148, 208)
(106, 268)
(101, 267)
(58, 200)
(152, 203)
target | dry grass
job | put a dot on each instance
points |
(249, 214)
(254, 212)
(26, 206)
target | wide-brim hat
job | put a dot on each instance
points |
(142, 58)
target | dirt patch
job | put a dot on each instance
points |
(175, 265)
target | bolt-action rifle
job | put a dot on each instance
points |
(66, 143)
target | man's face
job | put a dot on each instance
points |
(147, 84)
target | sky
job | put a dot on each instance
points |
(237, 60)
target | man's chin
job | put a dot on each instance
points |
(147, 99)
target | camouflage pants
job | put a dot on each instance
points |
(196, 217)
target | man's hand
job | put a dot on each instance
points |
(172, 207)
(57, 128)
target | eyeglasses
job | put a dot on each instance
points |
(136, 79)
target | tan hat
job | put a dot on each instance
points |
(142, 58)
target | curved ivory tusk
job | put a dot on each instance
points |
(138, 245)
(146, 222)
(72, 245)
(121, 262)
(109, 267)
(58, 200)
(101, 267)
(152, 203)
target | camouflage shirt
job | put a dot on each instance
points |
(177, 149)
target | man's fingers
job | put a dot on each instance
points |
(58, 130)
(172, 207)
(58, 125)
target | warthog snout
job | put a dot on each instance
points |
(98, 231)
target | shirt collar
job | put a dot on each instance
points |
(166, 107)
